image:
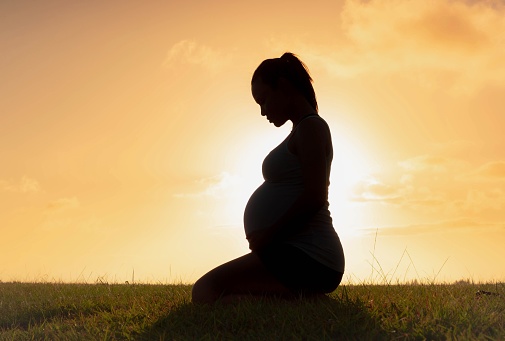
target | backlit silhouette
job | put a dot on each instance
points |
(295, 251)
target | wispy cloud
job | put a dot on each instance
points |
(62, 204)
(404, 192)
(218, 186)
(435, 183)
(454, 45)
(372, 190)
(494, 170)
(413, 182)
(432, 163)
(194, 53)
(65, 214)
(24, 185)
(86, 225)
(458, 224)
(477, 201)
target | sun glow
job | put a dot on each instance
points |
(351, 164)
(249, 157)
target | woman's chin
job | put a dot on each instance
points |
(277, 123)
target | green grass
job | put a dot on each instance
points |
(57, 311)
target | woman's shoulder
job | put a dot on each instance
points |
(311, 130)
(312, 124)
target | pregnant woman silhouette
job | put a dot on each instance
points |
(295, 251)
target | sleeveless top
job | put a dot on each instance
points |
(283, 184)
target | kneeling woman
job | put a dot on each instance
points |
(295, 251)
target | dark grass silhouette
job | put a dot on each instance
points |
(366, 311)
(260, 319)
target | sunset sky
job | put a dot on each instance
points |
(130, 142)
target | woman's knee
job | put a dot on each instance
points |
(234, 277)
(205, 290)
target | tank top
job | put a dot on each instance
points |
(283, 184)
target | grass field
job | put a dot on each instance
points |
(57, 311)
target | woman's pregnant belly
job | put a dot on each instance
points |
(267, 204)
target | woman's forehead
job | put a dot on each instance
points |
(258, 88)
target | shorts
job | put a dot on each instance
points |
(297, 270)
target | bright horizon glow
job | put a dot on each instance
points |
(129, 140)
(350, 166)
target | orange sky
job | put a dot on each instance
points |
(129, 140)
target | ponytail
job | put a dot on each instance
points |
(291, 68)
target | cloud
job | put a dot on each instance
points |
(451, 26)
(458, 224)
(410, 182)
(459, 148)
(62, 204)
(430, 163)
(222, 185)
(193, 53)
(431, 183)
(373, 190)
(402, 193)
(454, 45)
(494, 170)
(87, 225)
(477, 201)
(24, 185)
(63, 214)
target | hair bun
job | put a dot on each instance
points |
(288, 56)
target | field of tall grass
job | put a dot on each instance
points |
(103, 311)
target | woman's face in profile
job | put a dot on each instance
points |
(272, 102)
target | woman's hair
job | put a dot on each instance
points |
(289, 67)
